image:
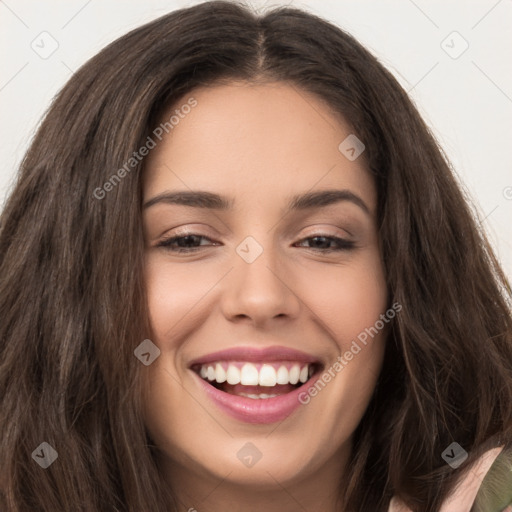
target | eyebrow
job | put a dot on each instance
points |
(209, 200)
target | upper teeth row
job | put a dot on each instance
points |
(248, 374)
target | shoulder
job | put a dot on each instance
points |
(463, 497)
(495, 492)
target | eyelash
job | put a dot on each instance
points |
(343, 245)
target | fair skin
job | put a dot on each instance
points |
(258, 145)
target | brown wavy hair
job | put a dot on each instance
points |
(73, 305)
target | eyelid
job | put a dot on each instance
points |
(187, 230)
(329, 230)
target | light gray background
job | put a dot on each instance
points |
(466, 100)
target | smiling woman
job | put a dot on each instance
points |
(283, 304)
(310, 213)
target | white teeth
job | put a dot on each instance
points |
(294, 374)
(268, 376)
(233, 375)
(249, 375)
(256, 397)
(220, 373)
(282, 375)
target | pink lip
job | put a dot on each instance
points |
(249, 410)
(256, 355)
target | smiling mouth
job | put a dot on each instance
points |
(258, 381)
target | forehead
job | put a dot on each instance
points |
(258, 141)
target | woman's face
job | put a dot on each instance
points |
(266, 292)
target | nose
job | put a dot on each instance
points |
(260, 291)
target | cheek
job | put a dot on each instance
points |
(350, 299)
(347, 299)
(174, 292)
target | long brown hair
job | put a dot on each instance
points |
(72, 298)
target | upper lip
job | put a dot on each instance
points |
(257, 355)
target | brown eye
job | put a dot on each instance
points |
(322, 243)
(184, 243)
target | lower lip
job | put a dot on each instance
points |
(250, 410)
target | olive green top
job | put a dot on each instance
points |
(495, 492)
